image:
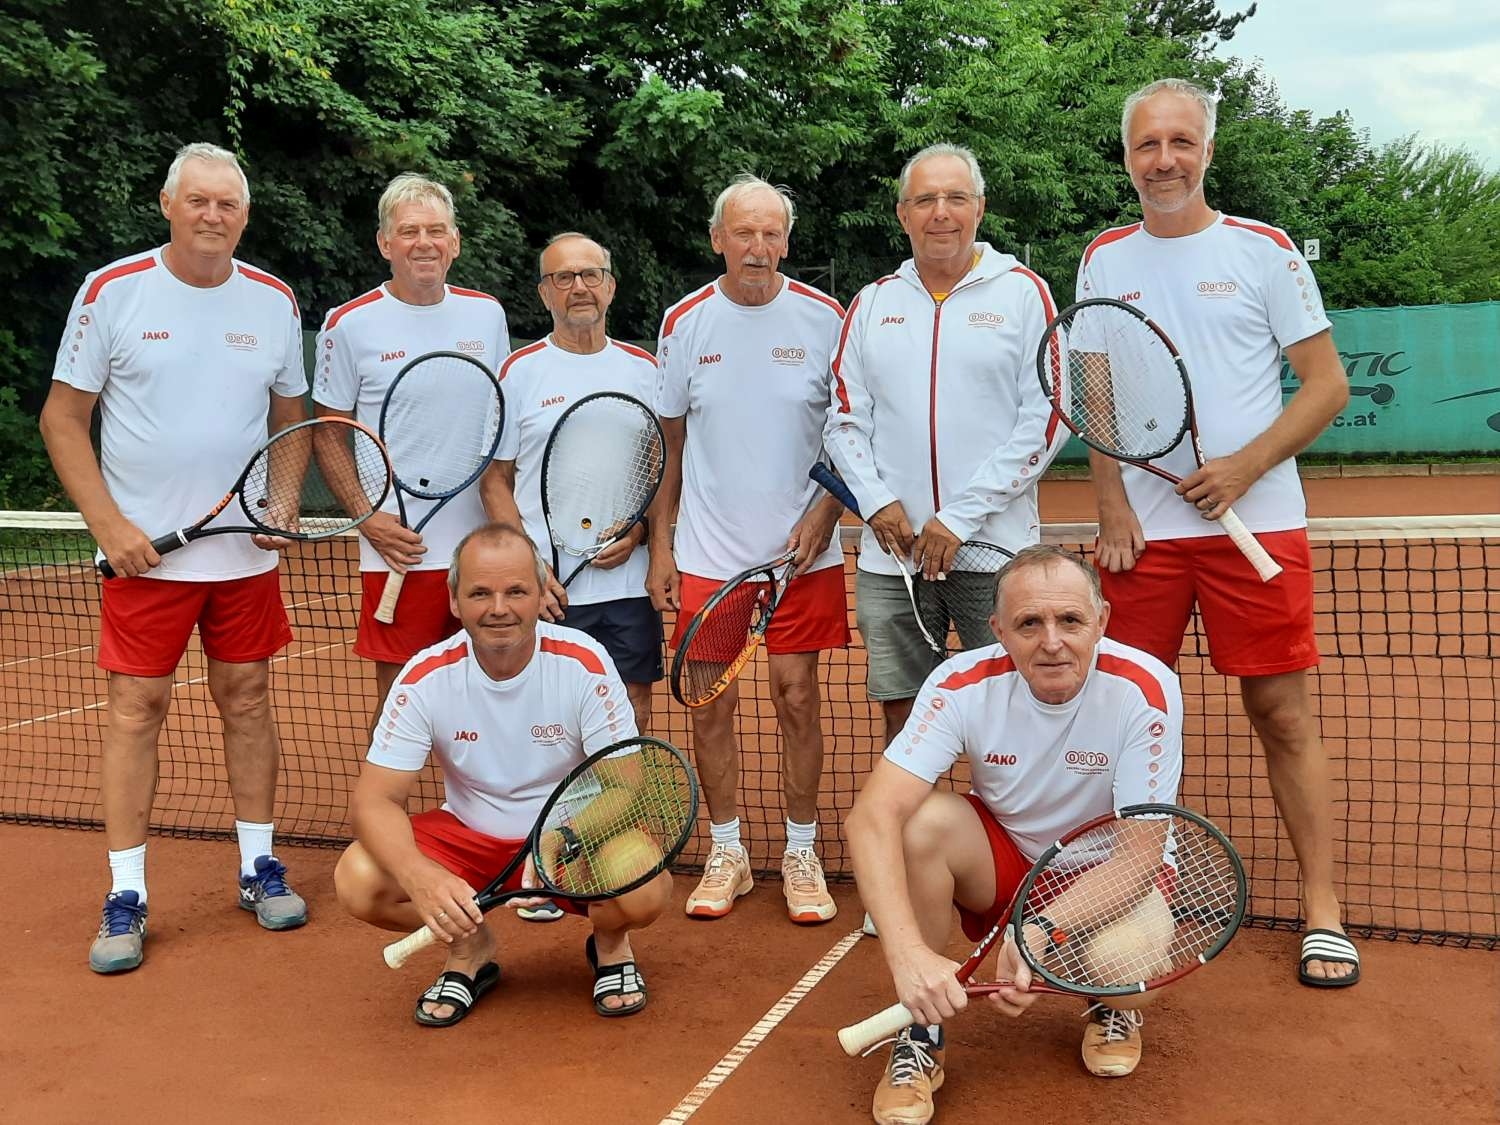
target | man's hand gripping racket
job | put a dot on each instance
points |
(613, 824)
(1123, 904)
(1117, 381)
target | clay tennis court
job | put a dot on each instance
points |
(228, 1022)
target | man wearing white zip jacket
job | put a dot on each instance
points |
(939, 424)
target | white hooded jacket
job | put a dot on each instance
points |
(937, 404)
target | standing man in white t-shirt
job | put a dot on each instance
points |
(1052, 685)
(193, 358)
(363, 345)
(507, 707)
(1233, 294)
(940, 427)
(742, 391)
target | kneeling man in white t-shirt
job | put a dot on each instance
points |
(1020, 711)
(508, 706)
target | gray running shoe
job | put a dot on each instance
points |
(122, 934)
(276, 905)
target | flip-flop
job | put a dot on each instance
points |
(615, 980)
(458, 990)
(1330, 947)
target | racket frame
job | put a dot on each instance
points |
(1048, 355)
(397, 953)
(385, 612)
(859, 1037)
(593, 552)
(174, 540)
(778, 582)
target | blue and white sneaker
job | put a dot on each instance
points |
(122, 934)
(547, 911)
(276, 905)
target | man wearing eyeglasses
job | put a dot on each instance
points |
(363, 345)
(541, 381)
(940, 426)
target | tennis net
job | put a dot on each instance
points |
(1408, 618)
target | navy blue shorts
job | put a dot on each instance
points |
(630, 631)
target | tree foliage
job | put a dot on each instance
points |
(624, 118)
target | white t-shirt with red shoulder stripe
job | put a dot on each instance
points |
(541, 381)
(184, 377)
(1231, 297)
(503, 745)
(365, 342)
(752, 382)
(1041, 768)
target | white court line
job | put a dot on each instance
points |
(46, 656)
(757, 1034)
(176, 684)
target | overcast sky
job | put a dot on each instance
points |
(1398, 66)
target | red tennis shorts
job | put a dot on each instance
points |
(472, 856)
(145, 623)
(1254, 628)
(422, 617)
(813, 615)
(1011, 868)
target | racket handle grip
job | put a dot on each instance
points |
(385, 612)
(171, 541)
(1265, 566)
(823, 475)
(105, 569)
(400, 952)
(859, 1037)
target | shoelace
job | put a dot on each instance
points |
(720, 865)
(1117, 1024)
(909, 1058)
(120, 917)
(800, 867)
(271, 881)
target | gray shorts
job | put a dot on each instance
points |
(899, 659)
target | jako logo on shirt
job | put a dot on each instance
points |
(788, 357)
(548, 734)
(1217, 288)
(466, 736)
(705, 360)
(1136, 296)
(999, 759)
(986, 319)
(156, 335)
(386, 357)
(555, 400)
(241, 341)
(892, 320)
(470, 345)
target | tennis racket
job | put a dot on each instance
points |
(441, 422)
(312, 480)
(962, 601)
(1123, 904)
(722, 636)
(1117, 381)
(603, 463)
(618, 819)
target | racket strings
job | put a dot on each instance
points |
(1125, 391)
(316, 478)
(955, 611)
(723, 634)
(629, 814)
(440, 424)
(604, 462)
(1120, 924)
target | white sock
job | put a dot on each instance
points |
(128, 870)
(255, 841)
(800, 837)
(727, 833)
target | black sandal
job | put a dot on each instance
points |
(459, 991)
(615, 980)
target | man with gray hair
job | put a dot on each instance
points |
(1019, 711)
(363, 345)
(742, 390)
(1234, 294)
(193, 358)
(939, 427)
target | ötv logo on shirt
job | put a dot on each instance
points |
(470, 345)
(1217, 288)
(241, 341)
(986, 319)
(548, 734)
(1086, 762)
(789, 357)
